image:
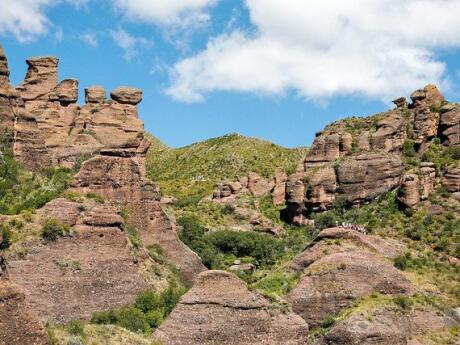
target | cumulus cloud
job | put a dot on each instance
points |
(129, 43)
(27, 20)
(24, 19)
(184, 13)
(320, 49)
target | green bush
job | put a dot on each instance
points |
(133, 319)
(328, 321)
(154, 318)
(403, 302)
(52, 229)
(21, 190)
(6, 237)
(147, 300)
(400, 262)
(408, 148)
(76, 327)
(326, 220)
(147, 313)
(96, 197)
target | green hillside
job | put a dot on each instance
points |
(194, 169)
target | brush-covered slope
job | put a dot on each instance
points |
(194, 169)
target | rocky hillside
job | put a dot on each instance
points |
(239, 241)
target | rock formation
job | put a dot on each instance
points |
(18, 127)
(258, 186)
(362, 158)
(336, 275)
(93, 269)
(449, 124)
(220, 309)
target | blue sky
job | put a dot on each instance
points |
(275, 69)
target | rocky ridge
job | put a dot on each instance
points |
(363, 158)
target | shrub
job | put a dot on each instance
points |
(154, 318)
(408, 148)
(6, 237)
(400, 262)
(134, 237)
(103, 318)
(326, 220)
(147, 300)
(403, 302)
(133, 319)
(328, 321)
(52, 229)
(96, 197)
(76, 327)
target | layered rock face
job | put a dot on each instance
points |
(92, 270)
(362, 159)
(449, 125)
(220, 309)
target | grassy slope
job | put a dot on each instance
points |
(212, 160)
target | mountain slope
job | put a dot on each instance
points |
(194, 169)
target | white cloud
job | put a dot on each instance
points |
(90, 39)
(183, 13)
(129, 43)
(319, 49)
(25, 19)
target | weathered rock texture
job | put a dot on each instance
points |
(449, 126)
(93, 269)
(334, 276)
(220, 309)
(18, 324)
(451, 179)
(362, 158)
(18, 127)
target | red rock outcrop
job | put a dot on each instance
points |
(449, 125)
(91, 270)
(409, 193)
(279, 191)
(322, 187)
(341, 266)
(18, 324)
(390, 133)
(451, 179)
(19, 127)
(219, 309)
(334, 281)
(367, 176)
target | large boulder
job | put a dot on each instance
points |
(430, 95)
(367, 176)
(127, 95)
(335, 281)
(220, 309)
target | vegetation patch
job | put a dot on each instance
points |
(147, 313)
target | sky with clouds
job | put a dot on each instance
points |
(276, 69)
